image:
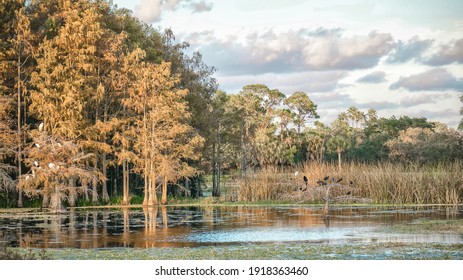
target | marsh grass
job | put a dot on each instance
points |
(386, 183)
(429, 226)
(265, 185)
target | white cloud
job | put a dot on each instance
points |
(357, 52)
(431, 80)
(409, 50)
(292, 51)
(288, 83)
(419, 99)
(201, 6)
(448, 54)
(151, 11)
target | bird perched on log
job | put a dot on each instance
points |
(321, 183)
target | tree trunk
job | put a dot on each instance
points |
(115, 181)
(150, 191)
(242, 156)
(146, 187)
(56, 203)
(164, 191)
(85, 189)
(187, 184)
(125, 181)
(45, 200)
(20, 196)
(198, 184)
(214, 170)
(20, 199)
(219, 163)
(104, 166)
(95, 182)
(339, 159)
(216, 189)
(152, 197)
(72, 192)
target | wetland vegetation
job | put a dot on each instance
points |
(287, 251)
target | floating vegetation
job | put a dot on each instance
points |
(292, 250)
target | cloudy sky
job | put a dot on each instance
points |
(398, 57)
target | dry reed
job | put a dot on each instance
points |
(379, 183)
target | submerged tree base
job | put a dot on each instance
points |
(56, 204)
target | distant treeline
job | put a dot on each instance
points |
(95, 103)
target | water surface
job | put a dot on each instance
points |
(217, 226)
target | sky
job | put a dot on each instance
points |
(398, 57)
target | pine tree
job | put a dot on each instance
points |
(303, 108)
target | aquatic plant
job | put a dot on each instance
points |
(7, 253)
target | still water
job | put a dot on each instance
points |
(217, 226)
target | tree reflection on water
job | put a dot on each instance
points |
(169, 226)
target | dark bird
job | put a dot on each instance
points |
(349, 193)
(321, 183)
(306, 180)
(339, 180)
(350, 182)
(326, 178)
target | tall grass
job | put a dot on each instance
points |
(380, 183)
(265, 185)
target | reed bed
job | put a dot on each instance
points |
(387, 183)
(265, 185)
